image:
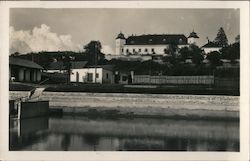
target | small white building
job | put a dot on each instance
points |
(93, 74)
(210, 47)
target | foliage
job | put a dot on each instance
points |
(231, 52)
(214, 58)
(93, 52)
(221, 38)
(196, 53)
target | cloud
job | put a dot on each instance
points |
(107, 49)
(40, 39)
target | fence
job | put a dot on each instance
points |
(147, 79)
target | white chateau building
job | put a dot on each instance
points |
(151, 44)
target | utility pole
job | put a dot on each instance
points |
(95, 61)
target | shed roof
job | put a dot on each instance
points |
(24, 63)
(177, 39)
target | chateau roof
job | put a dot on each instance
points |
(24, 63)
(178, 39)
(193, 34)
(120, 36)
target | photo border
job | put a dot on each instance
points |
(114, 156)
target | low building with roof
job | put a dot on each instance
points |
(210, 47)
(93, 74)
(22, 70)
(157, 44)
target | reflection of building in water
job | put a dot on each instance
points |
(85, 134)
(24, 132)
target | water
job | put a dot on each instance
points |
(69, 133)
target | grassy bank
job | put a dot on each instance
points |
(159, 89)
(118, 88)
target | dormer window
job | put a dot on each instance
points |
(132, 42)
(164, 40)
(180, 40)
(150, 40)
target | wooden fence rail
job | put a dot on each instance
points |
(147, 79)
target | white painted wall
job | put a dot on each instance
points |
(158, 49)
(119, 46)
(83, 75)
(208, 50)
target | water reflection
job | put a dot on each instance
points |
(87, 134)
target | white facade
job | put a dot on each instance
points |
(145, 49)
(210, 49)
(119, 46)
(91, 75)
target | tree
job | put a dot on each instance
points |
(237, 39)
(214, 58)
(197, 56)
(221, 38)
(231, 52)
(184, 53)
(93, 52)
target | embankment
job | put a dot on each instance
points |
(142, 105)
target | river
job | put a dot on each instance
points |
(79, 133)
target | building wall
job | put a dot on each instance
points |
(82, 75)
(21, 74)
(135, 49)
(27, 75)
(208, 50)
(119, 46)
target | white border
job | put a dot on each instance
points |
(114, 156)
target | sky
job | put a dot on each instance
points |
(70, 29)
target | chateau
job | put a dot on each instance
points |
(152, 44)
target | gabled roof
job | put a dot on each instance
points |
(60, 66)
(107, 67)
(211, 44)
(56, 66)
(177, 39)
(78, 64)
(24, 63)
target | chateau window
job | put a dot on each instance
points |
(107, 76)
(139, 50)
(127, 50)
(122, 50)
(153, 50)
(146, 50)
(133, 50)
(97, 75)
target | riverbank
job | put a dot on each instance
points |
(141, 105)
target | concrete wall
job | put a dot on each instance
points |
(34, 109)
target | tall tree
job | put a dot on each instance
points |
(197, 56)
(221, 38)
(93, 52)
(214, 58)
